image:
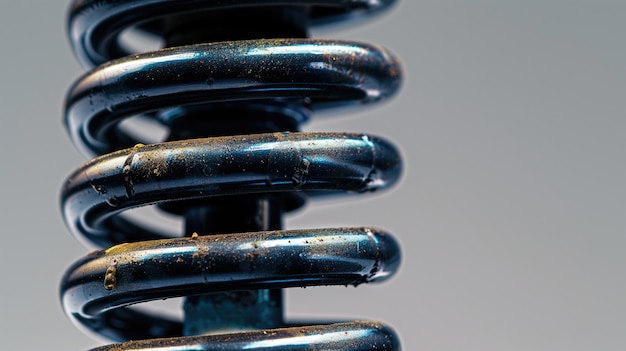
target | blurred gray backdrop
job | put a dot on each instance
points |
(511, 211)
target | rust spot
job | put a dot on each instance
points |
(110, 277)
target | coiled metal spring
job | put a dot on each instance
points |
(232, 164)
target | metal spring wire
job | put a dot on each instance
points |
(261, 90)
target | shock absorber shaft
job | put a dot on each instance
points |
(243, 309)
(233, 310)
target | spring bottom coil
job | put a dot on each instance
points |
(98, 285)
(357, 336)
(234, 164)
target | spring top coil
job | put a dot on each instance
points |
(94, 25)
(249, 98)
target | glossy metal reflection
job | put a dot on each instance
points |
(316, 163)
(325, 72)
(94, 25)
(96, 287)
(232, 161)
(355, 336)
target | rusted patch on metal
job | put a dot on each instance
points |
(110, 277)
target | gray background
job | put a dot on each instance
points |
(511, 211)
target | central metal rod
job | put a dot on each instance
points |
(233, 310)
(247, 309)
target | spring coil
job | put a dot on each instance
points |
(232, 164)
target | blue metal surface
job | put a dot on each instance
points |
(96, 287)
(231, 92)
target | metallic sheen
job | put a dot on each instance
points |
(160, 269)
(230, 83)
(355, 336)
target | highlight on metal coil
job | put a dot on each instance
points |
(325, 72)
(233, 84)
(95, 25)
(97, 286)
(357, 336)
